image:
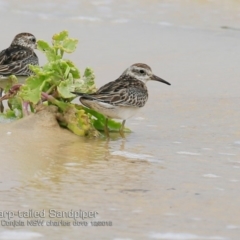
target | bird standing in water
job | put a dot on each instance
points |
(15, 59)
(122, 98)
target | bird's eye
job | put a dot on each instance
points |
(142, 71)
(33, 40)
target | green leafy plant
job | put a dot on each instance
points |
(52, 85)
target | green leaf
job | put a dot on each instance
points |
(88, 85)
(48, 50)
(60, 36)
(69, 45)
(64, 89)
(15, 110)
(89, 74)
(89, 78)
(7, 82)
(31, 91)
(99, 122)
(67, 86)
(62, 43)
(73, 69)
(43, 46)
(31, 95)
(10, 114)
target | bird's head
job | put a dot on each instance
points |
(26, 40)
(143, 73)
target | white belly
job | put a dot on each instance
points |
(110, 111)
(122, 112)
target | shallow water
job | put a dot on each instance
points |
(177, 175)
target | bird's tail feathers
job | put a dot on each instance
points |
(85, 95)
(4, 70)
(78, 93)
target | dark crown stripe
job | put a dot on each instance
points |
(142, 65)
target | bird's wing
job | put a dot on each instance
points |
(16, 68)
(120, 93)
(2, 56)
(19, 64)
(14, 53)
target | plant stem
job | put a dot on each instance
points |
(25, 108)
(51, 88)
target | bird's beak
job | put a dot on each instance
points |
(156, 78)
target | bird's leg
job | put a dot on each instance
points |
(106, 128)
(121, 129)
(1, 104)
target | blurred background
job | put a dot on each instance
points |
(114, 34)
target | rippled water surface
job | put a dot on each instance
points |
(177, 175)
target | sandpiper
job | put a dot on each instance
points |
(15, 59)
(122, 98)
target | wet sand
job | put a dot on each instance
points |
(176, 176)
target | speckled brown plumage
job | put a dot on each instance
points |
(123, 97)
(125, 91)
(16, 58)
